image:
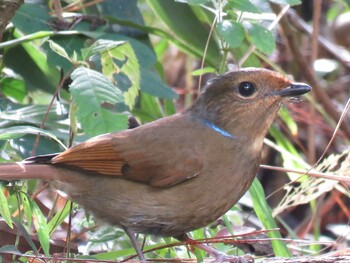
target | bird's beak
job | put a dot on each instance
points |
(295, 89)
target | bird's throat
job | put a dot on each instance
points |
(218, 129)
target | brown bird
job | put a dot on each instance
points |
(178, 173)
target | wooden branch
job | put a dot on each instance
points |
(7, 11)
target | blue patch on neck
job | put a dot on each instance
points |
(216, 128)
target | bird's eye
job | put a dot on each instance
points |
(246, 89)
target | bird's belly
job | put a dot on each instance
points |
(168, 211)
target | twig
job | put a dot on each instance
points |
(308, 173)
(314, 52)
(55, 95)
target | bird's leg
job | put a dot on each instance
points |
(219, 257)
(135, 244)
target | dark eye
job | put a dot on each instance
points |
(246, 89)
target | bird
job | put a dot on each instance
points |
(178, 173)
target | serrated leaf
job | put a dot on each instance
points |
(232, 32)
(244, 6)
(100, 46)
(93, 93)
(287, 2)
(119, 57)
(150, 82)
(41, 227)
(4, 209)
(262, 38)
(131, 69)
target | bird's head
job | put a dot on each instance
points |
(245, 102)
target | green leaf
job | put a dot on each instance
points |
(101, 46)
(262, 38)
(232, 32)
(287, 2)
(41, 227)
(144, 53)
(119, 56)
(72, 45)
(202, 71)
(59, 217)
(187, 28)
(169, 107)
(26, 207)
(197, 2)
(10, 249)
(4, 208)
(289, 121)
(94, 94)
(118, 253)
(13, 88)
(24, 233)
(131, 69)
(150, 109)
(291, 157)
(33, 114)
(58, 49)
(153, 85)
(18, 131)
(30, 18)
(244, 6)
(36, 71)
(263, 211)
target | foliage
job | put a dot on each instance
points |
(86, 69)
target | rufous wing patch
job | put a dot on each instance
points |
(97, 156)
(122, 157)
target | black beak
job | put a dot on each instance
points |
(295, 89)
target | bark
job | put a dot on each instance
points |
(7, 11)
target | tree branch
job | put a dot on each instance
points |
(7, 11)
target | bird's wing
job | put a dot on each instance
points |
(122, 156)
